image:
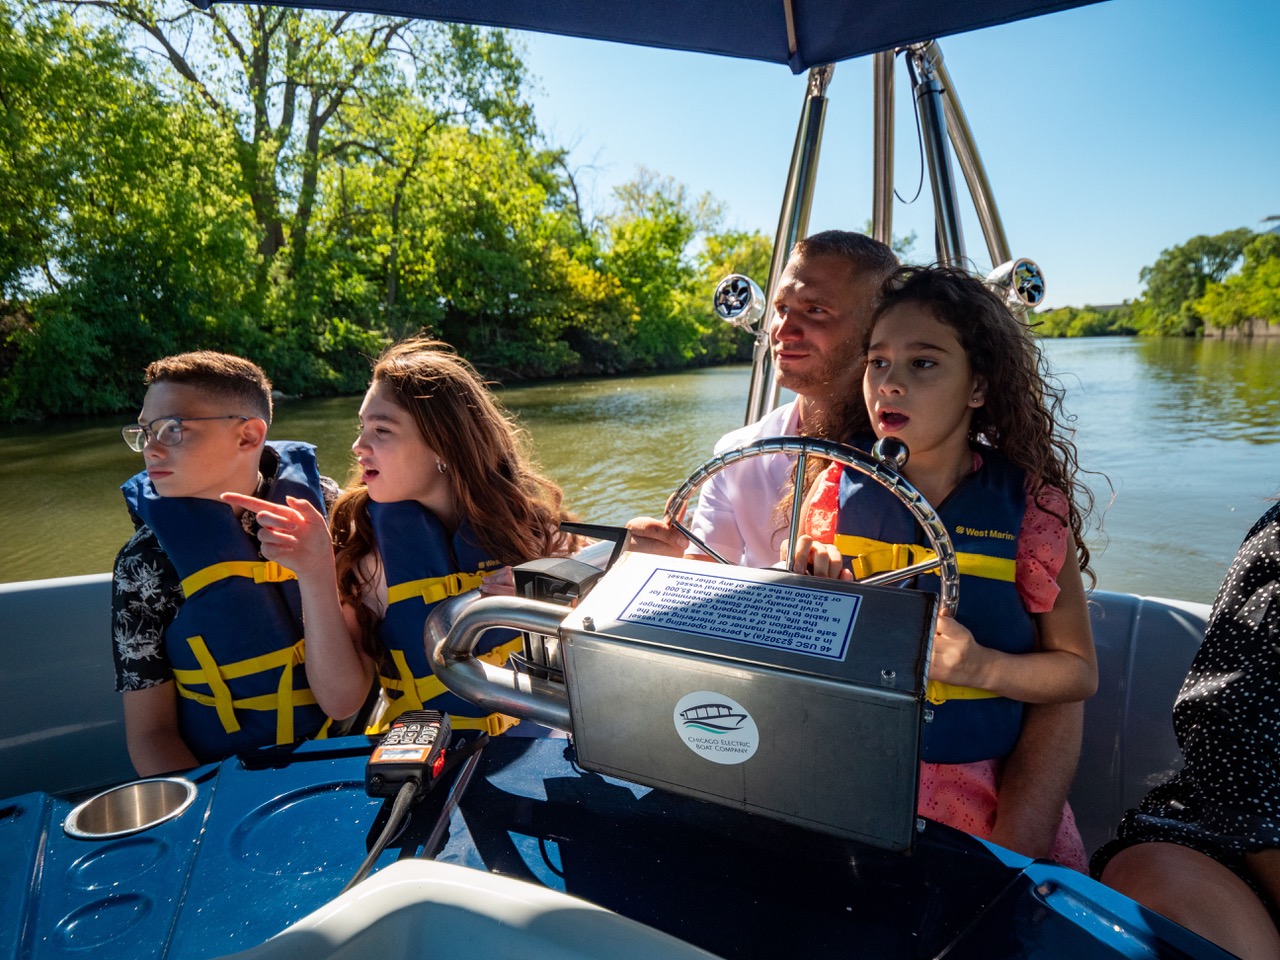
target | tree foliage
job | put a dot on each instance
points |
(1189, 288)
(1085, 322)
(1251, 294)
(300, 188)
(124, 235)
(1180, 276)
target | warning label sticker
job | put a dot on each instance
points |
(816, 623)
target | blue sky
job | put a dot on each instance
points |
(1109, 132)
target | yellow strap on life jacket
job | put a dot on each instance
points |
(869, 557)
(937, 692)
(215, 676)
(416, 691)
(495, 724)
(434, 589)
(259, 571)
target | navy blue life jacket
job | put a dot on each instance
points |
(875, 532)
(236, 644)
(424, 564)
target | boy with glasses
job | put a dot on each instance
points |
(207, 635)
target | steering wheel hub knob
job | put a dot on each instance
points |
(891, 452)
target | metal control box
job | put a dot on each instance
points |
(793, 697)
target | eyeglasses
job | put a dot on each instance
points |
(164, 430)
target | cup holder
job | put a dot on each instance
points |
(130, 808)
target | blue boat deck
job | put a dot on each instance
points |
(276, 834)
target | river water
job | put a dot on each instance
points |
(1186, 433)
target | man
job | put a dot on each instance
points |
(821, 311)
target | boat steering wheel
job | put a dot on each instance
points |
(887, 457)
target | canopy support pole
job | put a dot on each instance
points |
(793, 223)
(882, 148)
(948, 235)
(975, 174)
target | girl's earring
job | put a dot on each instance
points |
(441, 466)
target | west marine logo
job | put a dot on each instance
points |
(712, 717)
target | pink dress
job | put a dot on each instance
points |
(965, 795)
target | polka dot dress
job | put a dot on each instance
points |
(1226, 800)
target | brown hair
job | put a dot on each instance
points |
(231, 378)
(1022, 415)
(490, 472)
(863, 253)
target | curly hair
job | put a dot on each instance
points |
(490, 472)
(1023, 415)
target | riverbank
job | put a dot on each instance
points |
(1249, 330)
(1184, 435)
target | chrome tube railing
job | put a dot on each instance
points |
(454, 627)
(882, 147)
(949, 236)
(975, 174)
(793, 223)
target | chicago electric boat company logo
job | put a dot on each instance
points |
(716, 727)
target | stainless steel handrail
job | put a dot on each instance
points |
(882, 147)
(452, 631)
(933, 126)
(975, 174)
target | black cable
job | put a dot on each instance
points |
(915, 109)
(395, 821)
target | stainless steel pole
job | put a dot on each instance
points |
(975, 175)
(793, 222)
(882, 148)
(928, 92)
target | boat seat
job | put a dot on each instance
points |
(61, 720)
(56, 637)
(421, 908)
(1145, 646)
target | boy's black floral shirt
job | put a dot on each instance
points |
(146, 593)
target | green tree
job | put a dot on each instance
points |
(287, 88)
(1084, 322)
(1180, 276)
(149, 209)
(1253, 293)
(125, 239)
(650, 237)
(501, 280)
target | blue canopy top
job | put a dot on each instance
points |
(799, 33)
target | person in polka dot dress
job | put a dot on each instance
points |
(1204, 847)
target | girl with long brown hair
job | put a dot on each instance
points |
(443, 498)
(953, 374)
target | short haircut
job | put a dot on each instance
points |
(862, 252)
(234, 379)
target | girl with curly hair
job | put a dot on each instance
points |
(956, 377)
(442, 499)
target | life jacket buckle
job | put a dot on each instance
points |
(496, 724)
(271, 572)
